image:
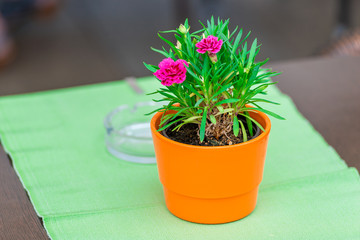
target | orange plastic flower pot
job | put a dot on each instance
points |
(211, 184)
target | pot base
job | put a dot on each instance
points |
(210, 210)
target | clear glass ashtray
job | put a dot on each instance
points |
(128, 134)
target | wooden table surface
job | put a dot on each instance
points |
(326, 92)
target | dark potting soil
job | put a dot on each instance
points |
(188, 134)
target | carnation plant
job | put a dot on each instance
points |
(210, 78)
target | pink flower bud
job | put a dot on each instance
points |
(213, 57)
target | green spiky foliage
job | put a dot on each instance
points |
(215, 94)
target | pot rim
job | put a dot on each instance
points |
(258, 138)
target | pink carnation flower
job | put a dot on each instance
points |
(210, 44)
(171, 72)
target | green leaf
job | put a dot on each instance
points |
(167, 95)
(245, 37)
(256, 105)
(196, 69)
(236, 126)
(152, 93)
(252, 53)
(192, 89)
(150, 67)
(254, 121)
(236, 43)
(267, 112)
(219, 73)
(229, 100)
(222, 89)
(161, 52)
(253, 75)
(186, 23)
(226, 111)
(213, 119)
(192, 73)
(268, 75)
(168, 31)
(244, 53)
(199, 111)
(263, 100)
(179, 112)
(220, 108)
(197, 32)
(263, 62)
(205, 28)
(223, 26)
(198, 102)
(156, 110)
(235, 30)
(169, 124)
(191, 119)
(258, 89)
(165, 117)
(178, 126)
(205, 71)
(169, 43)
(166, 108)
(161, 100)
(249, 124)
(180, 39)
(203, 125)
(165, 90)
(243, 131)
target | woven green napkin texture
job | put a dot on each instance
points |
(56, 142)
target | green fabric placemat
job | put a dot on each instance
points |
(56, 141)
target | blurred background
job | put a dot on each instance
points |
(48, 44)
